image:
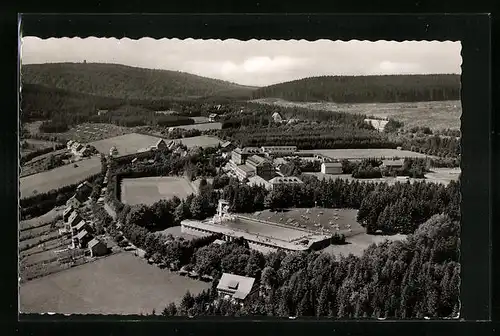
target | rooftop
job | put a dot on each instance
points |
(248, 150)
(332, 164)
(82, 234)
(240, 285)
(256, 159)
(245, 168)
(289, 179)
(399, 162)
(94, 242)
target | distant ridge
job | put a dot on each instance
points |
(366, 89)
(121, 81)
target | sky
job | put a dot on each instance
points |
(254, 62)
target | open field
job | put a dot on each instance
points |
(321, 216)
(35, 144)
(148, 190)
(364, 153)
(360, 242)
(41, 220)
(200, 141)
(118, 284)
(89, 132)
(58, 177)
(202, 126)
(438, 175)
(434, 114)
(126, 144)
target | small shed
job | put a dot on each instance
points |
(97, 248)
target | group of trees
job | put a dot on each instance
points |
(415, 278)
(296, 167)
(433, 145)
(373, 168)
(366, 89)
(310, 136)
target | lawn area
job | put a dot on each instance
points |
(59, 177)
(364, 153)
(357, 244)
(148, 190)
(126, 144)
(88, 132)
(119, 284)
(320, 216)
(202, 126)
(435, 114)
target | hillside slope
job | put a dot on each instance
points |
(120, 81)
(366, 89)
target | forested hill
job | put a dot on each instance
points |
(366, 89)
(120, 81)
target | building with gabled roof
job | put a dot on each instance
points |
(67, 213)
(395, 164)
(331, 168)
(279, 150)
(280, 180)
(160, 144)
(74, 219)
(236, 287)
(82, 239)
(277, 117)
(97, 248)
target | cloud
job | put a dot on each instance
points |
(253, 62)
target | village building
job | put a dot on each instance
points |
(67, 213)
(262, 167)
(69, 144)
(332, 168)
(97, 248)
(277, 117)
(393, 164)
(212, 117)
(102, 112)
(113, 151)
(73, 202)
(82, 239)
(279, 150)
(236, 287)
(74, 219)
(290, 180)
(227, 146)
(259, 181)
(82, 225)
(239, 155)
(243, 171)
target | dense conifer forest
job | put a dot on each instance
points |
(366, 89)
(120, 81)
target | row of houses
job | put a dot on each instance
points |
(78, 149)
(81, 230)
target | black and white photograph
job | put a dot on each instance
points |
(266, 178)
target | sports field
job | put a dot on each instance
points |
(59, 177)
(148, 190)
(119, 284)
(126, 144)
(364, 153)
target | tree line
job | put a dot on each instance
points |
(366, 89)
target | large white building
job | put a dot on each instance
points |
(331, 168)
(279, 150)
